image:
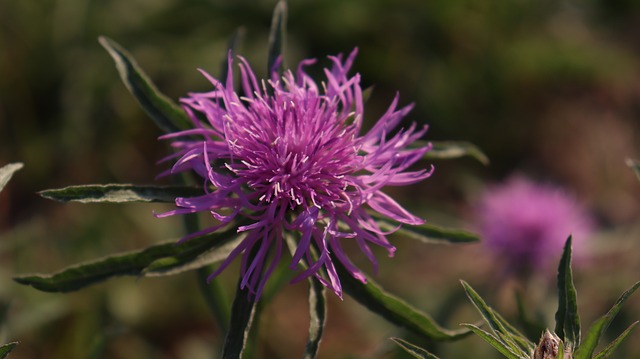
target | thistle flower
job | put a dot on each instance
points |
(287, 156)
(527, 223)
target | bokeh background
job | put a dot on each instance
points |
(548, 89)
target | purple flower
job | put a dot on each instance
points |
(527, 224)
(287, 157)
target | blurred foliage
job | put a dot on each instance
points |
(544, 87)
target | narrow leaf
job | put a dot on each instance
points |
(7, 171)
(6, 349)
(635, 166)
(495, 321)
(120, 193)
(277, 37)
(495, 342)
(162, 110)
(393, 309)
(594, 333)
(448, 150)
(242, 311)
(567, 318)
(606, 352)
(413, 350)
(519, 338)
(132, 263)
(317, 317)
(429, 233)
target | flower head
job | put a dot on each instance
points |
(287, 158)
(527, 223)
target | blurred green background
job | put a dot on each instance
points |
(546, 88)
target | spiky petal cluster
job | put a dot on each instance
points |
(527, 223)
(287, 157)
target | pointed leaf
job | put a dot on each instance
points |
(6, 349)
(162, 110)
(635, 166)
(606, 352)
(567, 318)
(496, 323)
(133, 263)
(495, 342)
(587, 348)
(448, 150)
(525, 344)
(413, 350)
(393, 309)
(120, 193)
(317, 317)
(277, 36)
(7, 171)
(429, 233)
(242, 312)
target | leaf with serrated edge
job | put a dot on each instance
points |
(177, 264)
(7, 171)
(413, 350)
(449, 150)
(567, 318)
(242, 312)
(492, 318)
(317, 317)
(131, 263)
(606, 352)
(586, 350)
(162, 110)
(428, 233)
(6, 349)
(120, 193)
(393, 309)
(277, 36)
(495, 342)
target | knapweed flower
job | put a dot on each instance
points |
(526, 223)
(285, 155)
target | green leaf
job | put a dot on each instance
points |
(586, 350)
(317, 317)
(162, 110)
(6, 349)
(277, 36)
(635, 166)
(567, 318)
(413, 350)
(120, 193)
(182, 256)
(606, 352)
(429, 233)
(448, 150)
(495, 342)
(242, 312)
(507, 335)
(393, 309)
(7, 171)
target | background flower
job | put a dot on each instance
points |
(526, 224)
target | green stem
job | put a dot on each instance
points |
(215, 297)
(212, 292)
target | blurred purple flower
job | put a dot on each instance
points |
(287, 155)
(527, 224)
